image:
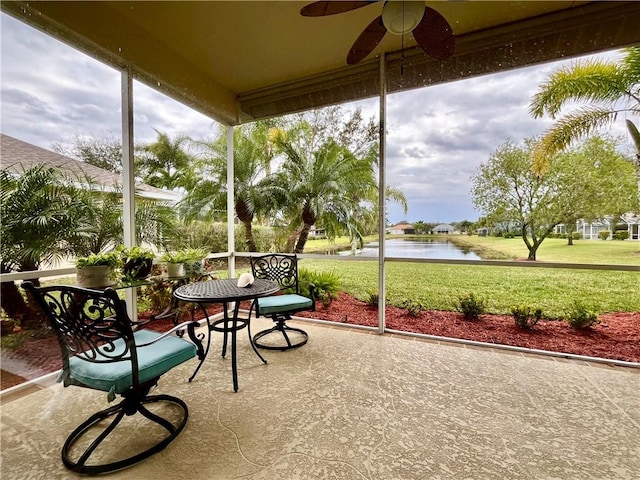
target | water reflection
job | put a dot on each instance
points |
(412, 248)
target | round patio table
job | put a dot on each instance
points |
(224, 291)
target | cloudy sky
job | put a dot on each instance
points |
(437, 136)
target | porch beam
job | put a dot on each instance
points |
(382, 214)
(128, 179)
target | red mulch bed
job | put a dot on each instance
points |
(616, 337)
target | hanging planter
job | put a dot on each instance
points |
(138, 262)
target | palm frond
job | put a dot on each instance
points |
(591, 81)
(573, 126)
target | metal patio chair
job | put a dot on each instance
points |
(282, 269)
(101, 351)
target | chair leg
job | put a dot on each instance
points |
(119, 411)
(253, 345)
(281, 328)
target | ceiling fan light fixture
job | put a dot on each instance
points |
(400, 17)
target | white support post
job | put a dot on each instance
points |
(382, 215)
(128, 180)
(231, 242)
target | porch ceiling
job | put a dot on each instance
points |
(240, 61)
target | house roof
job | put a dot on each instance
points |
(18, 156)
(237, 61)
(401, 226)
(443, 226)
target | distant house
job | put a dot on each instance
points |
(315, 232)
(591, 230)
(18, 156)
(443, 228)
(401, 229)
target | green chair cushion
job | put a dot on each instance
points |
(283, 303)
(153, 361)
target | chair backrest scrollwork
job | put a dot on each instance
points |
(87, 322)
(279, 267)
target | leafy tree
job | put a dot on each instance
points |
(577, 185)
(610, 88)
(105, 152)
(465, 226)
(595, 180)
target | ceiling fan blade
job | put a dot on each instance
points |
(320, 9)
(367, 41)
(434, 35)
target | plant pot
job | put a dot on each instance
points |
(96, 277)
(138, 268)
(175, 270)
(194, 267)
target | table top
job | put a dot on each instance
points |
(224, 290)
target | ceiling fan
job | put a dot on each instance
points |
(431, 31)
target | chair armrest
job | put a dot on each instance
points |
(182, 326)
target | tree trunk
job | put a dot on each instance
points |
(20, 310)
(248, 233)
(245, 215)
(532, 247)
(569, 237)
(13, 303)
(302, 238)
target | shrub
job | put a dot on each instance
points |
(581, 316)
(524, 318)
(508, 235)
(471, 306)
(413, 308)
(603, 234)
(621, 235)
(327, 285)
(373, 299)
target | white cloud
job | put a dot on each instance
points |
(437, 136)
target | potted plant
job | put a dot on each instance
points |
(175, 263)
(185, 262)
(193, 261)
(137, 262)
(98, 269)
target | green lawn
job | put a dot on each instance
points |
(554, 290)
(612, 252)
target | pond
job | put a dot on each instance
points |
(412, 248)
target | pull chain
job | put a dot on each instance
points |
(402, 44)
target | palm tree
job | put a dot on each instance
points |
(165, 163)
(39, 213)
(252, 156)
(323, 186)
(610, 88)
(100, 220)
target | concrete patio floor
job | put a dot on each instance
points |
(356, 405)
